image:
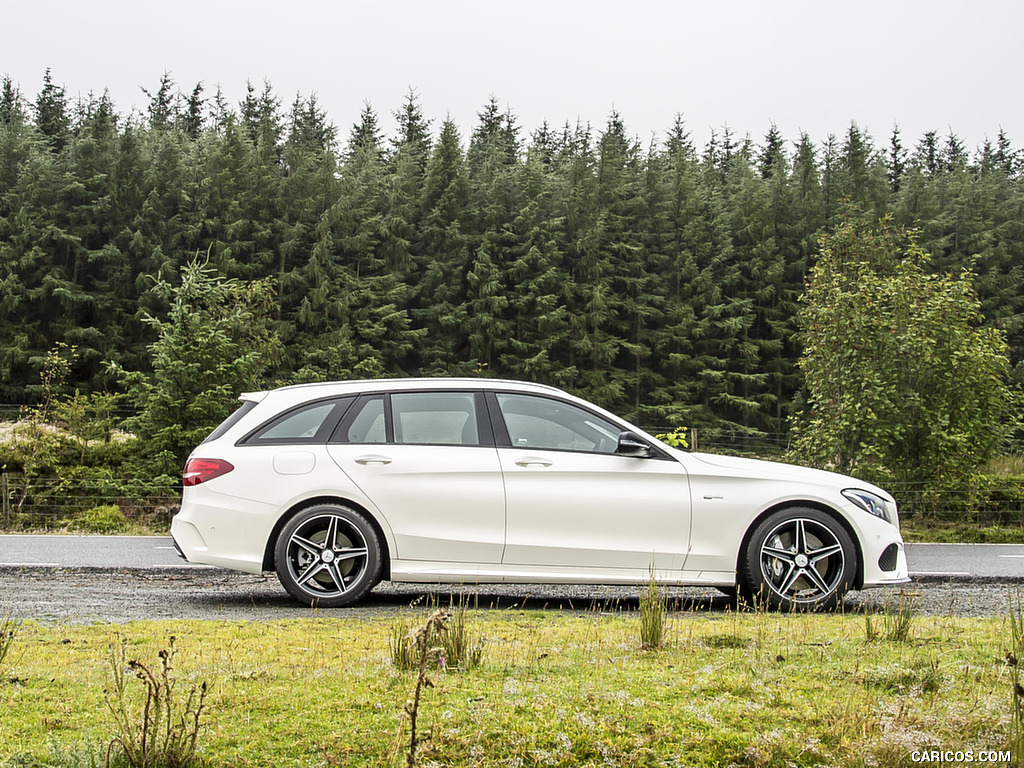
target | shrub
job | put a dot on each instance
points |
(105, 519)
(677, 438)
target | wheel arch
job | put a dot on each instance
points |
(858, 578)
(268, 552)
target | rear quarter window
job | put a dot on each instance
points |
(309, 423)
(230, 421)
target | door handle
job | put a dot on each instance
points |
(372, 459)
(533, 461)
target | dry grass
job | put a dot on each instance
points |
(745, 689)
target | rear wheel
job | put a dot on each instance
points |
(799, 559)
(328, 556)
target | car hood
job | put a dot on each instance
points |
(774, 470)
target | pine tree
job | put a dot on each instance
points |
(162, 112)
(677, 401)
(191, 118)
(413, 128)
(538, 304)
(897, 160)
(51, 112)
(442, 257)
(309, 190)
(772, 158)
(12, 110)
(365, 135)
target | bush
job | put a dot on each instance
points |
(904, 380)
(105, 519)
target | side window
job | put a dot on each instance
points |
(367, 424)
(307, 424)
(545, 424)
(435, 418)
(230, 421)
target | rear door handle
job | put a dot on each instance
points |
(533, 461)
(372, 459)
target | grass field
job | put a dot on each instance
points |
(553, 689)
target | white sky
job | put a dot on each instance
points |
(811, 65)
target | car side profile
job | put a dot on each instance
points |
(337, 486)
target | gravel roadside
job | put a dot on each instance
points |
(83, 595)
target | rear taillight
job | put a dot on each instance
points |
(201, 470)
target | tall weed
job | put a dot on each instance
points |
(159, 728)
(427, 651)
(898, 617)
(652, 616)
(459, 647)
(9, 627)
(1013, 659)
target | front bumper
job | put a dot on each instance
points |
(889, 568)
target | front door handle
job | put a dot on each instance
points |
(533, 461)
(372, 459)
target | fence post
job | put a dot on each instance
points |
(693, 439)
(6, 495)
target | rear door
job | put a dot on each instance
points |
(427, 461)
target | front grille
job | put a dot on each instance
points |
(887, 562)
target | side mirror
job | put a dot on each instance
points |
(630, 444)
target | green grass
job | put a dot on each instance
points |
(960, 533)
(562, 689)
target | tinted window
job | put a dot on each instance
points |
(310, 423)
(299, 425)
(367, 424)
(435, 418)
(230, 421)
(542, 423)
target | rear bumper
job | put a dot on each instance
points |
(209, 534)
(177, 549)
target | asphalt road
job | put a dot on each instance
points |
(927, 561)
(76, 579)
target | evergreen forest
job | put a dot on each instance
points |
(661, 280)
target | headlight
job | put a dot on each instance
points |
(870, 502)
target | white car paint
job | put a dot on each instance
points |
(508, 512)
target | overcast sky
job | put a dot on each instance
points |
(811, 65)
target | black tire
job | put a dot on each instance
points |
(799, 559)
(328, 556)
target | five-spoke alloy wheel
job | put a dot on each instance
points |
(328, 556)
(799, 559)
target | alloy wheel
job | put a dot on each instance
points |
(802, 561)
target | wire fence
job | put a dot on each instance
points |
(110, 504)
(987, 503)
(97, 505)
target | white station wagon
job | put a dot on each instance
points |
(337, 486)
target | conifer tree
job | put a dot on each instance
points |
(51, 112)
(12, 110)
(161, 110)
(442, 257)
(897, 160)
(538, 333)
(191, 118)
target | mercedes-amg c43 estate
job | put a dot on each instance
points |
(337, 486)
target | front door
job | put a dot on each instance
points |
(573, 501)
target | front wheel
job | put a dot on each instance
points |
(328, 556)
(799, 559)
